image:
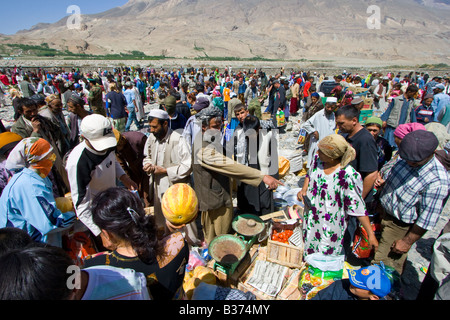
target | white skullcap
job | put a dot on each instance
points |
(159, 114)
(331, 100)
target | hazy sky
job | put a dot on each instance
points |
(23, 14)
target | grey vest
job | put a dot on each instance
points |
(394, 116)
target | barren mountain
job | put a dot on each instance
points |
(413, 30)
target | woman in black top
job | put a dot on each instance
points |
(131, 235)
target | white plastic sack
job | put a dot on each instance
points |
(325, 262)
(295, 159)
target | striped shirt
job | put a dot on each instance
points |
(416, 195)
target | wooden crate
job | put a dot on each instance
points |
(284, 254)
(281, 215)
(289, 290)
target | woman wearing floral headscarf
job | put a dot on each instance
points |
(27, 202)
(334, 191)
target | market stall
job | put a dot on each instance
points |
(263, 256)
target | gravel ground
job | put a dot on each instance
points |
(419, 255)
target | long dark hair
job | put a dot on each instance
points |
(121, 213)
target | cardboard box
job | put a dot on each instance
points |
(368, 103)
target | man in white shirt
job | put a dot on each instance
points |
(320, 125)
(168, 159)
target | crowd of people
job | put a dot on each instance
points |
(86, 136)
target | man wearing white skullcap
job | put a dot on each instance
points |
(320, 125)
(167, 162)
(158, 114)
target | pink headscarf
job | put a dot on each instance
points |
(403, 129)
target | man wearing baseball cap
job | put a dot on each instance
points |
(413, 198)
(369, 283)
(92, 167)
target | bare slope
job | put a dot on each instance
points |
(413, 30)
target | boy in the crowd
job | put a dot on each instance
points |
(369, 283)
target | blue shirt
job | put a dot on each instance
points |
(440, 101)
(28, 203)
(130, 97)
(424, 112)
(116, 103)
(339, 290)
(177, 122)
(242, 88)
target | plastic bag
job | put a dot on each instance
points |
(326, 262)
(281, 119)
(193, 279)
(361, 248)
(228, 133)
(302, 136)
(195, 260)
(283, 166)
(321, 271)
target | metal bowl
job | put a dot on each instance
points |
(227, 249)
(248, 225)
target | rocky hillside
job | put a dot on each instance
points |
(412, 30)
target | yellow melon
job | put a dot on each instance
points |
(200, 274)
(205, 274)
(64, 204)
(179, 204)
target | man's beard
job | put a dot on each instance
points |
(328, 113)
(159, 135)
